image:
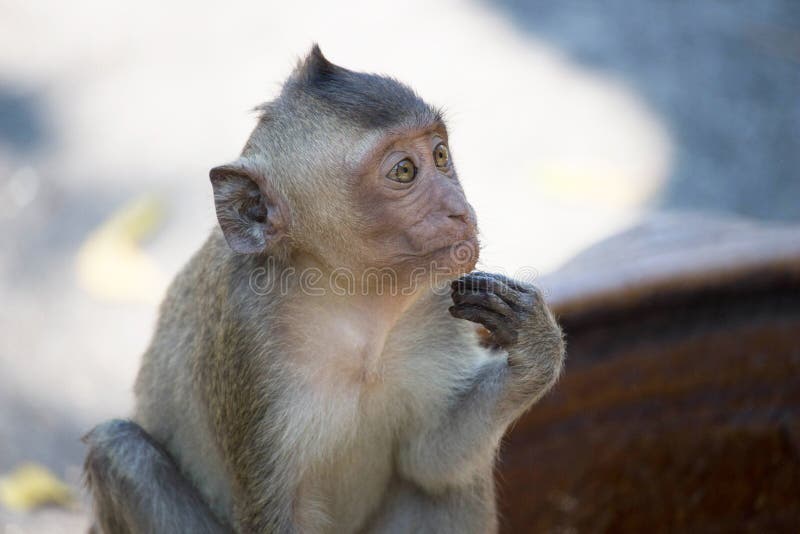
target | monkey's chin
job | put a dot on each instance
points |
(450, 262)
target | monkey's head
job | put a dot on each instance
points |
(352, 170)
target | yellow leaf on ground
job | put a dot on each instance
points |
(110, 263)
(30, 486)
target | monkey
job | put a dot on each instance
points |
(317, 365)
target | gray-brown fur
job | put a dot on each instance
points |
(276, 411)
(368, 100)
(137, 487)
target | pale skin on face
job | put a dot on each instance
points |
(416, 221)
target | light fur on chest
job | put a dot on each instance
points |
(356, 395)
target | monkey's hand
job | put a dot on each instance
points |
(519, 322)
(463, 444)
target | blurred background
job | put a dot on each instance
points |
(569, 120)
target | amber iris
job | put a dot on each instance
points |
(403, 172)
(441, 156)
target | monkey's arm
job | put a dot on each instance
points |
(136, 486)
(463, 443)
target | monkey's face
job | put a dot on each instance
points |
(414, 213)
(352, 171)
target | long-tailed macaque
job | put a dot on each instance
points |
(317, 365)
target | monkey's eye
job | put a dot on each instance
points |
(405, 171)
(441, 156)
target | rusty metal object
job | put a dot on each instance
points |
(680, 406)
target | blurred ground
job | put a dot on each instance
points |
(569, 121)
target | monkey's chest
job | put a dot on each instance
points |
(342, 491)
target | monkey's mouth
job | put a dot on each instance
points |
(463, 251)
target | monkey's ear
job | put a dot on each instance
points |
(252, 214)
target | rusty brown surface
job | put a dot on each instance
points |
(678, 412)
(671, 256)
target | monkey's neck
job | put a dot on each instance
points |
(384, 289)
(344, 332)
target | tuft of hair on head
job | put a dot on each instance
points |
(367, 100)
(315, 67)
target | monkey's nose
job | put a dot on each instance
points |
(464, 224)
(462, 214)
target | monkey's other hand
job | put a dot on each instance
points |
(514, 313)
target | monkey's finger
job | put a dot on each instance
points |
(483, 299)
(502, 333)
(514, 284)
(484, 282)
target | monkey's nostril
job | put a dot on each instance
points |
(462, 218)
